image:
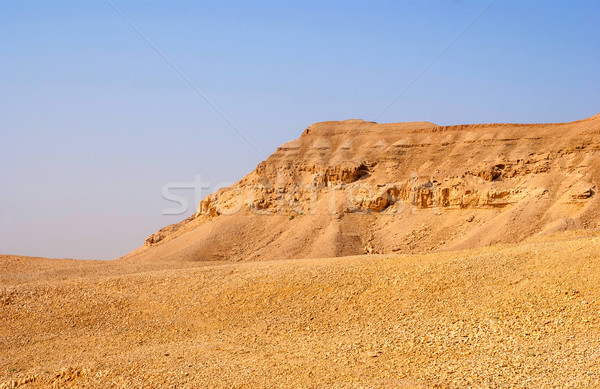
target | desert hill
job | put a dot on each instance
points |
(353, 187)
(487, 275)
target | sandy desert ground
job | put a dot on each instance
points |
(516, 315)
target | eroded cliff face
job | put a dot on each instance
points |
(351, 187)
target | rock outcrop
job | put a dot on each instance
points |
(354, 186)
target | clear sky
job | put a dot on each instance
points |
(93, 122)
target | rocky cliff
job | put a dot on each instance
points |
(355, 187)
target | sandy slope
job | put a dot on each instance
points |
(522, 315)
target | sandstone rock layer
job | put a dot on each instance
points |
(354, 187)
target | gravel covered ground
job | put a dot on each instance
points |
(525, 315)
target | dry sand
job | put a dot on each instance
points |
(523, 315)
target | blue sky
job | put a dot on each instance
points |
(93, 122)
